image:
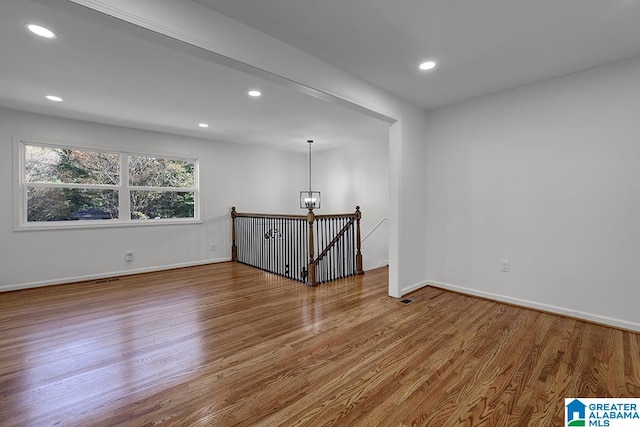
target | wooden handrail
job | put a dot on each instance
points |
(286, 216)
(335, 240)
(345, 215)
(257, 215)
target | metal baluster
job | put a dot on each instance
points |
(319, 244)
(341, 257)
(324, 259)
(352, 258)
(270, 245)
(239, 238)
(331, 236)
(243, 239)
(339, 251)
(327, 258)
(332, 266)
(251, 248)
(336, 253)
(291, 252)
(353, 249)
(294, 249)
(255, 245)
(258, 244)
(328, 236)
(265, 247)
(285, 246)
(301, 245)
(245, 231)
(325, 223)
(276, 247)
(289, 221)
(280, 248)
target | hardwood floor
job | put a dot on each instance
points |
(226, 344)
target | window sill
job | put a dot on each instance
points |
(87, 224)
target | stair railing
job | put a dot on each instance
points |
(287, 244)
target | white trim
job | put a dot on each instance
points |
(104, 223)
(71, 185)
(221, 54)
(68, 280)
(412, 288)
(173, 189)
(124, 200)
(596, 318)
(19, 203)
(407, 290)
(20, 222)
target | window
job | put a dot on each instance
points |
(74, 187)
(63, 184)
(161, 188)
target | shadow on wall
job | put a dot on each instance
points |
(375, 245)
(217, 230)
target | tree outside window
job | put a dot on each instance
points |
(70, 184)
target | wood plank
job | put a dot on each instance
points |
(226, 344)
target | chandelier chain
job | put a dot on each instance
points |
(310, 142)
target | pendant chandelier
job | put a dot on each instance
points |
(310, 199)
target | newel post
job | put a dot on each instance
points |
(311, 269)
(234, 247)
(359, 269)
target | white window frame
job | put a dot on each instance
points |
(123, 188)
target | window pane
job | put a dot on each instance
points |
(162, 204)
(61, 165)
(158, 172)
(70, 204)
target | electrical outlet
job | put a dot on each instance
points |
(505, 265)
(213, 247)
(128, 256)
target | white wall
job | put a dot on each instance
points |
(542, 175)
(548, 177)
(250, 178)
(408, 203)
(237, 45)
(358, 175)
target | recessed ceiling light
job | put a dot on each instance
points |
(427, 65)
(254, 93)
(54, 98)
(41, 31)
(203, 125)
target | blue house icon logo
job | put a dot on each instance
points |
(576, 413)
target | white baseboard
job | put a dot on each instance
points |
(412, 288)
(65, 280)
(596, 318)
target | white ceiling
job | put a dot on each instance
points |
(110, 76)
(481, 47)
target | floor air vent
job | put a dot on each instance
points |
(407, 300)
(115, 279)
